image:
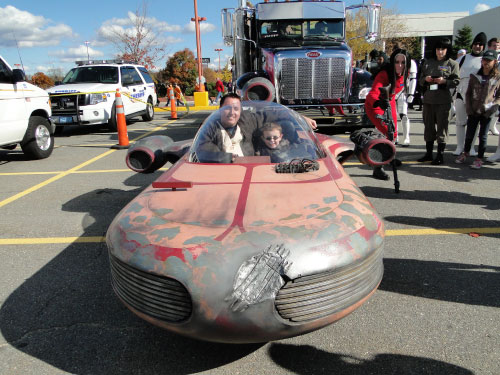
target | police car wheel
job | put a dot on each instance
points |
(38, 142)
(150, 111)
(112, 125)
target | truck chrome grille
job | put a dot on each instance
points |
(303, 78)
(160, 297)
(314, 297)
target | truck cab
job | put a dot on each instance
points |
(298, 52)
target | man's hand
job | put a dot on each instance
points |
(311, 122)
(409, 99)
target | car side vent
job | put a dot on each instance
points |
(160, 297)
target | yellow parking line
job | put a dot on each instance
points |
(72, 170)
(432, 232)
(53, 179)
(388, 233)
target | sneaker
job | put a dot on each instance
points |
(461, 159)
(478, 163)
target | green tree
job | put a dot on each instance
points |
(181, 69)
(463, 40)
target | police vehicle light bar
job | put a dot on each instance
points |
(113, 61)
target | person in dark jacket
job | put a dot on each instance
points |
(482, 101)
(439, 75)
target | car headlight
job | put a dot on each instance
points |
(97, 98)
(363, 92)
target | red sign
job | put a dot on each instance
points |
(313, 54)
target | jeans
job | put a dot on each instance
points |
(219, 95)
(472, 122)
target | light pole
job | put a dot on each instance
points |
(218, 50)
(197, 20)
(87, 44)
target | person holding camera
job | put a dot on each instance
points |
(439, 74)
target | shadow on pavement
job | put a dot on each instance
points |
(431, 196)
(67, 315)
(445, 281)
(306, 359)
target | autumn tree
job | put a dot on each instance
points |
(41, 80)
(226, 75)
(140, 43)
(210, 75)
(463, 40)
(56, 74)
(181, 69)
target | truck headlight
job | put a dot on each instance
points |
(97, 98)
(363, 92)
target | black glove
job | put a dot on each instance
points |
(380, 104)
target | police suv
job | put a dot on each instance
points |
(86, 95)
(24, 114)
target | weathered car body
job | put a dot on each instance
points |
(237, 252)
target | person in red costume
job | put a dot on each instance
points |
(394, 73)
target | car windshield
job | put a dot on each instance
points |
(296, 32)
(265, 132)
(92, 74)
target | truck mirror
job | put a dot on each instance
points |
(227, 27)
(372, 22)
(18, 75)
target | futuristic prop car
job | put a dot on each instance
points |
(248, 250)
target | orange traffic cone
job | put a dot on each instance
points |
(173, 109)
(121, 123)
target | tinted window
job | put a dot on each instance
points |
(92, 74)
(145, 75)
(5, 73)
(130, 76)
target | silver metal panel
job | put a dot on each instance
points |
(300, 10)
(321, 78)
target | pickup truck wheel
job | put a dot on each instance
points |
(112, 125)
(38, 142)
(150, 111)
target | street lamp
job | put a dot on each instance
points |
(197, 20)
(218, 50)
(87, 44)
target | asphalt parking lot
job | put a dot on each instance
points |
(437, 310)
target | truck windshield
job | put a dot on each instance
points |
(92, 74)
(294, 31)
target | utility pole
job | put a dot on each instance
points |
(87, 44)
(218, 50)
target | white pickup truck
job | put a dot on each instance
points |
(24, 114)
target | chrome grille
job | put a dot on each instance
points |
(303, 78)
(160, 297)
(316, 296)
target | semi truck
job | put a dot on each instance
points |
(296, 53)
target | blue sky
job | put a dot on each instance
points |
(52, 34)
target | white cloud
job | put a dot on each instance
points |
(481, 7)
(126, 26)
(73, 54)
(205, 27)
(30, 30)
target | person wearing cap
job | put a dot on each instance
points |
(482, 101)
(494, 45)
(469, 63)
(439, 75)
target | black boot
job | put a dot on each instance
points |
(379, 174)
(428, 154)
(439, 157)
